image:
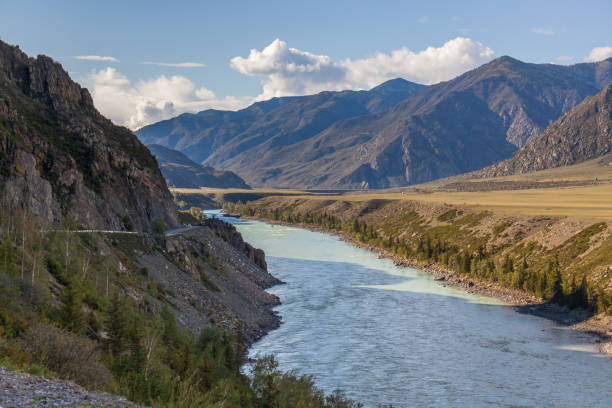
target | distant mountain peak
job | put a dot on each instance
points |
(504, 62)
(395, 85)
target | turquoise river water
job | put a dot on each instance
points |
(392, 335)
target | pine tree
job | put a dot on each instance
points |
(117, 326)
(556, 288)
(8, 255)
(72, 315)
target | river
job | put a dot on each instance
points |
(392, 335)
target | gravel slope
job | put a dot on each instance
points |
(24, 390)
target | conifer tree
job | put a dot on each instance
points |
(117, 326)
(72, 315)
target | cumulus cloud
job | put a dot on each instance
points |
(137, 105)
(96, 58)
(542, 31)
(289, 71)
(599, 53)
(176, 64)
(429, 66)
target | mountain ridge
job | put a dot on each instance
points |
(269, 119)
(181, 172)
(336, 140)
(584, 133)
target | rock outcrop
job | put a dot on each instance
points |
(60, 156)
(230, 235)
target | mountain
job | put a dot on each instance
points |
(60, 156)
(277, 122)
(345, 140)
(183, 130)
(180, 171)
(582, 134)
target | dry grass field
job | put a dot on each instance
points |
(591, 200)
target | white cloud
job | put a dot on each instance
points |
(542, 31)
(176, 64)
(429, 66)
(136, 105)
(423, 20)
(96, 58)
(564, 58)
(289, 71)
(599, 53)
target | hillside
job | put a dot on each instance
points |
(181, 172)
(582, 134)
(59, 156)
(453, 127)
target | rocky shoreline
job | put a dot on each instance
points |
(599, 328)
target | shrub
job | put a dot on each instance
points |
(66, 354)
(159, 226)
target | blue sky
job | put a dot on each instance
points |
(335, 42)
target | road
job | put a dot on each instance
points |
(175, 231)
(169, 233)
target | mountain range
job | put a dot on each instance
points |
(396, 134)
(182, 172)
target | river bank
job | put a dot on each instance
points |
(600, 327)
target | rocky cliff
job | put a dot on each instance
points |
(582, 134)
(59, 156)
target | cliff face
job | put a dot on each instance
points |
(59, 156)
(582, 134)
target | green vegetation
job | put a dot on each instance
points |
(556, 275)
(69, 307)
(159, 226)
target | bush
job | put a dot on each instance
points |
(159, 226)
(66, 354)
